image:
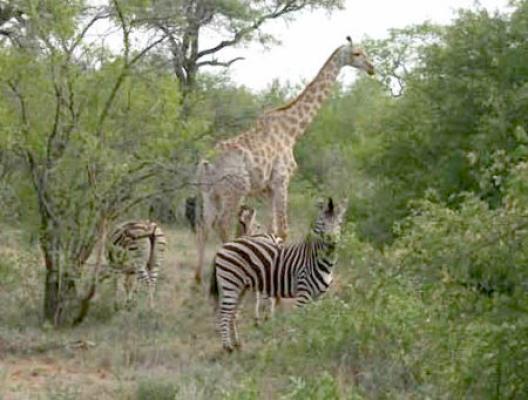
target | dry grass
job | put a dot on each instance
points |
(170, 352)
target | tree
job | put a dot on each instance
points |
(91, 138)
(237, 22)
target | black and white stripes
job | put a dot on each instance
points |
(302, 271)
(136, 249)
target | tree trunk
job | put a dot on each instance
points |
(59, 286)
(52, 297)
(59, 293)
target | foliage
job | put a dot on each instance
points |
(92, 133)
(430, 298)
(456, 124)
(473, 245)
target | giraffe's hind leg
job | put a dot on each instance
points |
(209, 214)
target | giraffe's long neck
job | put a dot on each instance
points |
(301, 111)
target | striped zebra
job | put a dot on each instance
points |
(136, 250)
(248, 226)
(302, 271)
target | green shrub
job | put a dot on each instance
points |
(158, 389)
(323, 387)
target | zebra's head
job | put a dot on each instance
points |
(328, 223)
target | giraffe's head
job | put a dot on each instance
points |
(355, 57)
(328, 222)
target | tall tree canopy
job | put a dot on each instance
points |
(229, 22)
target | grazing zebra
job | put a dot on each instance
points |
(248, 226)
(136, 249)
(302, 271)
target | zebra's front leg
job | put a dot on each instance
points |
(257, 308)
(272, 303)
(302, 298)
(151, 289)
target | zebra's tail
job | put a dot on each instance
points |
(213, 288)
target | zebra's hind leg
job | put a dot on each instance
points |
(257, 308)
(115, 280)
(151, 281)
(130, 290)
(234, 328)
(226, 319)
(224, 326)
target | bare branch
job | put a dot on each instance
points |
(56, 121)
(216, 63)
(78, 40)
(119, 81)
(287, 7)
(22, 104)
(124, 28)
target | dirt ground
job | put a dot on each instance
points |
(107, 357)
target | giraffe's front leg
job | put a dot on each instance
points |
(231, 204)
(280, 206)
(272, 225)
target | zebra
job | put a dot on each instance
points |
(302, 271)
(248, 226)
(136, 249)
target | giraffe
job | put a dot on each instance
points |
(260, 161)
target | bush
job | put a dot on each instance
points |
(473, 246)
(150, 389)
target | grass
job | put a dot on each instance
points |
(170, 352)
(375, 335)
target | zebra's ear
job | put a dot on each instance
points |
(330, 207)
